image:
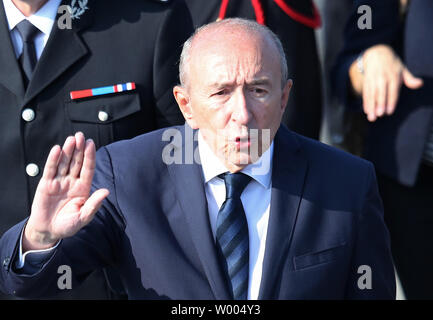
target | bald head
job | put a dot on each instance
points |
(231, 35)
(234, 85)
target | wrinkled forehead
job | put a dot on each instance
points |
(222, 37)
(229, 67)
(233, 55)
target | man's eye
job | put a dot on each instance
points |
(259, 91)
(220, 92)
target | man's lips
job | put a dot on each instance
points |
(242, 142)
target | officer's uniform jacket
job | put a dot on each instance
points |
(111, 43)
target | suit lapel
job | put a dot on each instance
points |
(288, 178)
(10, 73)
(189, 185)
(63, 49)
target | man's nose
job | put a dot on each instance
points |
(241, 109)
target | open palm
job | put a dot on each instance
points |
(62, 203)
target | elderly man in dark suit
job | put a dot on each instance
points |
(386, 70)
(108, 73)
(230, 206)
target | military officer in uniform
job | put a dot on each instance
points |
(108, 73)
(294, 23)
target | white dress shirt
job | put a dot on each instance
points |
(256, 200)
(43, 19)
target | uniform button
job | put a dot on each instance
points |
(102, 116)
(28, 114)
(32, 170)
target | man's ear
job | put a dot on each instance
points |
(183, 100)
(285, 94)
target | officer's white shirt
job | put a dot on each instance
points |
(256, 200)
(43, 19)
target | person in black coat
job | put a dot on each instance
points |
(130, 48)
(386, 70)
(294, 23)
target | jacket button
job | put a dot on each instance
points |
(103, 116)
(32, 170)
(28, 114)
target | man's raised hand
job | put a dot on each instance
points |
(62, 204)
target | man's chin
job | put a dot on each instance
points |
(242, 160)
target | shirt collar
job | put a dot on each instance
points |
(43, 19)
(213, 167)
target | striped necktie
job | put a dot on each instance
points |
(232, 235)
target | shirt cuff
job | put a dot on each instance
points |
(33, 257)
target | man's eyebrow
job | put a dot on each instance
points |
(261, 81)
(254, 82)
(220, 84)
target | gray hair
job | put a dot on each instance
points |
(236, 22)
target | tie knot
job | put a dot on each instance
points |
(235, 184)
(27, 30)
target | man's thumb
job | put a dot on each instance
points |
(411, 81)
(92, 205)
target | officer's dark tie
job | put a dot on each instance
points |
(28, 58)
(232, 235)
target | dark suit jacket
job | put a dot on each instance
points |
(395, 144)
(113, 42)
(304, 109)
(325, 222)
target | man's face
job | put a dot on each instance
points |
(234, 96)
